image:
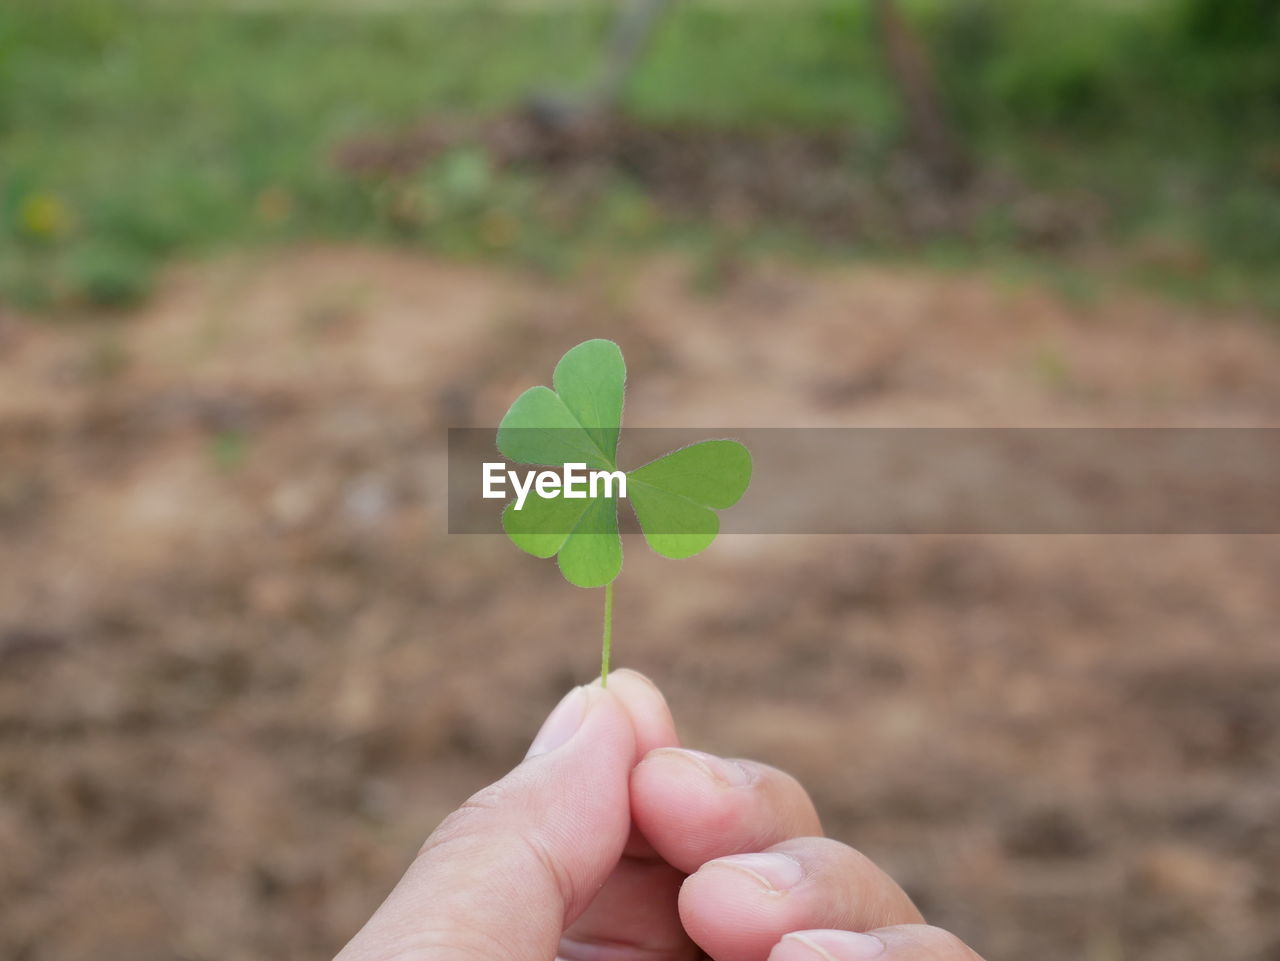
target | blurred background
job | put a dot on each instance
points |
(256, 257)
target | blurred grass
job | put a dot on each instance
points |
(131, 132)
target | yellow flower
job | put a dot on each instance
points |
(44, 215)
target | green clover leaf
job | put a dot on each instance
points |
(675, 497)
(579, 420)
(576, 421)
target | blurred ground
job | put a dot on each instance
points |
(243, 672)
(742, 182)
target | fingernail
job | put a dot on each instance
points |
(627, 672)
(776, 872)
(839, 945)
(643, 679)
(561, 724)
(728, 773)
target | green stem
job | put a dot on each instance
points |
(608, 634)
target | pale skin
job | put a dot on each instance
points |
(610, 842)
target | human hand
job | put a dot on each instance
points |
(610, 843)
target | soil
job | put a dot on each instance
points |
(831, 187)
(244, 671)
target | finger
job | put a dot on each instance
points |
(737, 908)
(654, 726)
(634, 915)
(908, 942)
(507, 872)
(634, 918)
(650, 715)
(694, 807)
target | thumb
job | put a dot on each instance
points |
(507, 872)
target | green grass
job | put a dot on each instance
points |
(133, 132)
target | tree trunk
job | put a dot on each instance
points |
(926, 120)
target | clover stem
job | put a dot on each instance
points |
(608, 634)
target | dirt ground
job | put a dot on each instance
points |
(828, 186)
(244, 671)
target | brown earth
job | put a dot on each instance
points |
(829, 186)
(243, 671)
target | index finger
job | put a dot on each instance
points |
(694, 807)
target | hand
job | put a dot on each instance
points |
(610, 843)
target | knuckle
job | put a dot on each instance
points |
(560, 877)
(472, 943)
(461, 823)
(786, 794)
(481, 820)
